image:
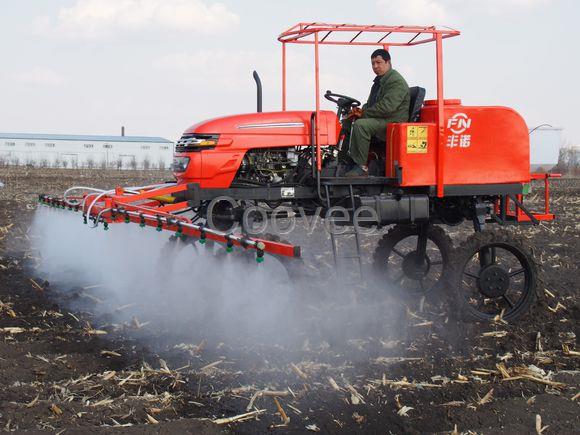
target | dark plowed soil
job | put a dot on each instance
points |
(359, 362)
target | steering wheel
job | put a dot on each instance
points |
(341, 101)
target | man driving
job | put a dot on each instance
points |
(388, 101)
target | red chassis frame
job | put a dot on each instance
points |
(349, 34)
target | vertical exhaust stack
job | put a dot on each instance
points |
(259, 91)
(123, 130)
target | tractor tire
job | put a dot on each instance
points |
(481, 286)
(388, 251)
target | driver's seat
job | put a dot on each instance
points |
(417, 95)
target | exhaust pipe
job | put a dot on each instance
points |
(259, 91)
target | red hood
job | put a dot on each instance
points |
(289, 122)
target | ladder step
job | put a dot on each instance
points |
(354, 232)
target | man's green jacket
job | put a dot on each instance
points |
(393, 99)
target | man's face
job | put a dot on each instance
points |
(380, 66)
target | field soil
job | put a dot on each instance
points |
(68, 367)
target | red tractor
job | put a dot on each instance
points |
(448, 164)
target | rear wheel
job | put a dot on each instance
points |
(495, 275)
(397, 259)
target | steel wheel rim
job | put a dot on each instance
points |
(523, 270)
(395, 272)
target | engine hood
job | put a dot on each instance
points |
(269, 123)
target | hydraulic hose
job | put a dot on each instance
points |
(101, 193)
(132, 190)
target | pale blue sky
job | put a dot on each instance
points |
(157, 66)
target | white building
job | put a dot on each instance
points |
(78, 151)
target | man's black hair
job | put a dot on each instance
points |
(383, 53)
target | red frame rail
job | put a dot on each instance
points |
(351, 34)
(521, 216)
(516, 213)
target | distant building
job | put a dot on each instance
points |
(78, 151)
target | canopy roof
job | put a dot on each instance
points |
(354, 34)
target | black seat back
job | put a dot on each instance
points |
(417, 95)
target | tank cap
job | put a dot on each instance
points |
(450, 102)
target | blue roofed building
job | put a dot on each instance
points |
(85, 151)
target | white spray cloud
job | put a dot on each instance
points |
(200, 292)
(140, 266)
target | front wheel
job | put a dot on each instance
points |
(495, 275)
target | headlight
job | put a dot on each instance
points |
(179, 164)
(196, 142)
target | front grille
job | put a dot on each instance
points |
(188, 142)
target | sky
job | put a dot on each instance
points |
(158, 66)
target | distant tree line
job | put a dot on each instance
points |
(89, 163)
(568, 161)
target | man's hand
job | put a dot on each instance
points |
(355, 113)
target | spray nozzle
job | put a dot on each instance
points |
(141, 220)
(159, 223)
(179, 231)
(229, 245)
(260, 246)
(259, 256)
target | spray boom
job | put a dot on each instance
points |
(147, 206)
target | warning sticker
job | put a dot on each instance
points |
(417, 139)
